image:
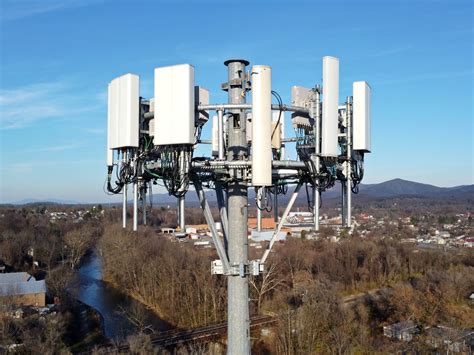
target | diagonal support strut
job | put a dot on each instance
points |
(223, 213)
(212, 226)
(280, 224)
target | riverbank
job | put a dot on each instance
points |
(138, 298)
(86, 328)
(121, 314)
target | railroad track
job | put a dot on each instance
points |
(208, 332)
(176, 337)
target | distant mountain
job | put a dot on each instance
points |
(399, 187)
(388, 189)
(405, 188)
(49, 201)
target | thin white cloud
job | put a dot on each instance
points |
(19, 9)
(392, 51)
(21, 168)
(315, 56)
(97, 131)
(55, 148)
(39, 166)
(425, 77)
(30, 92)
(21, 107)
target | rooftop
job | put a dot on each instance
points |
(20, 283)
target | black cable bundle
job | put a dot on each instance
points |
(267, 198)
(280, 104)
(357, 173)
(176, 183)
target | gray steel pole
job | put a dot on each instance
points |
(221, 203)
(289, 164)
(317, 133)
(181, 214)
(275, 205)
(135, 206)
(349, 157)
(124, 202)
(144, 203)
(220, 134)
(282, 221)
(212, 226)
(217, 107)
(343, 202)
(259, 211)
(238, 322)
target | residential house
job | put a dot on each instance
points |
(401, 331)
(22, 289)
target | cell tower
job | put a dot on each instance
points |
(154, 139)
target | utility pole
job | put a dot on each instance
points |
(143, 194)
(124, 200)
(181, 214)
(317, 137)
(238, 328)
(275, 204)
(259, 209)
(348, 163)
(135, 206)
(231, 169)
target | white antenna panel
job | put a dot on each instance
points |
(174, 105)
(283, 156)
(123, 112)
(283, 122)
(330, 119)
(248, 127)
(300, 97)
(261, 125)
(201, 97)
(110, 157)
(278, 131)
(151, 127)
(151, 123)
(215, 136)
(361, 116)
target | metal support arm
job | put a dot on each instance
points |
(212, 226)
(223, 212)
(283, 219)
(222, 107)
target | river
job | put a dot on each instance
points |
(115, 308)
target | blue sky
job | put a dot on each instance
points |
(58, 56)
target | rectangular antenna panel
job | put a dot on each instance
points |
(361, 116)
(151, 123)
(110, 157)
(261, 125)
(283, 122)
(248, 127)
(282, 156)
(300, 97)
(123, 112)
(151, 127)
(111, 126)
(330, 119)
(277, 132)
(215, 136)
(174, 105)
(201, 97)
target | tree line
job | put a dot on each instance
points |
(305, 284)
